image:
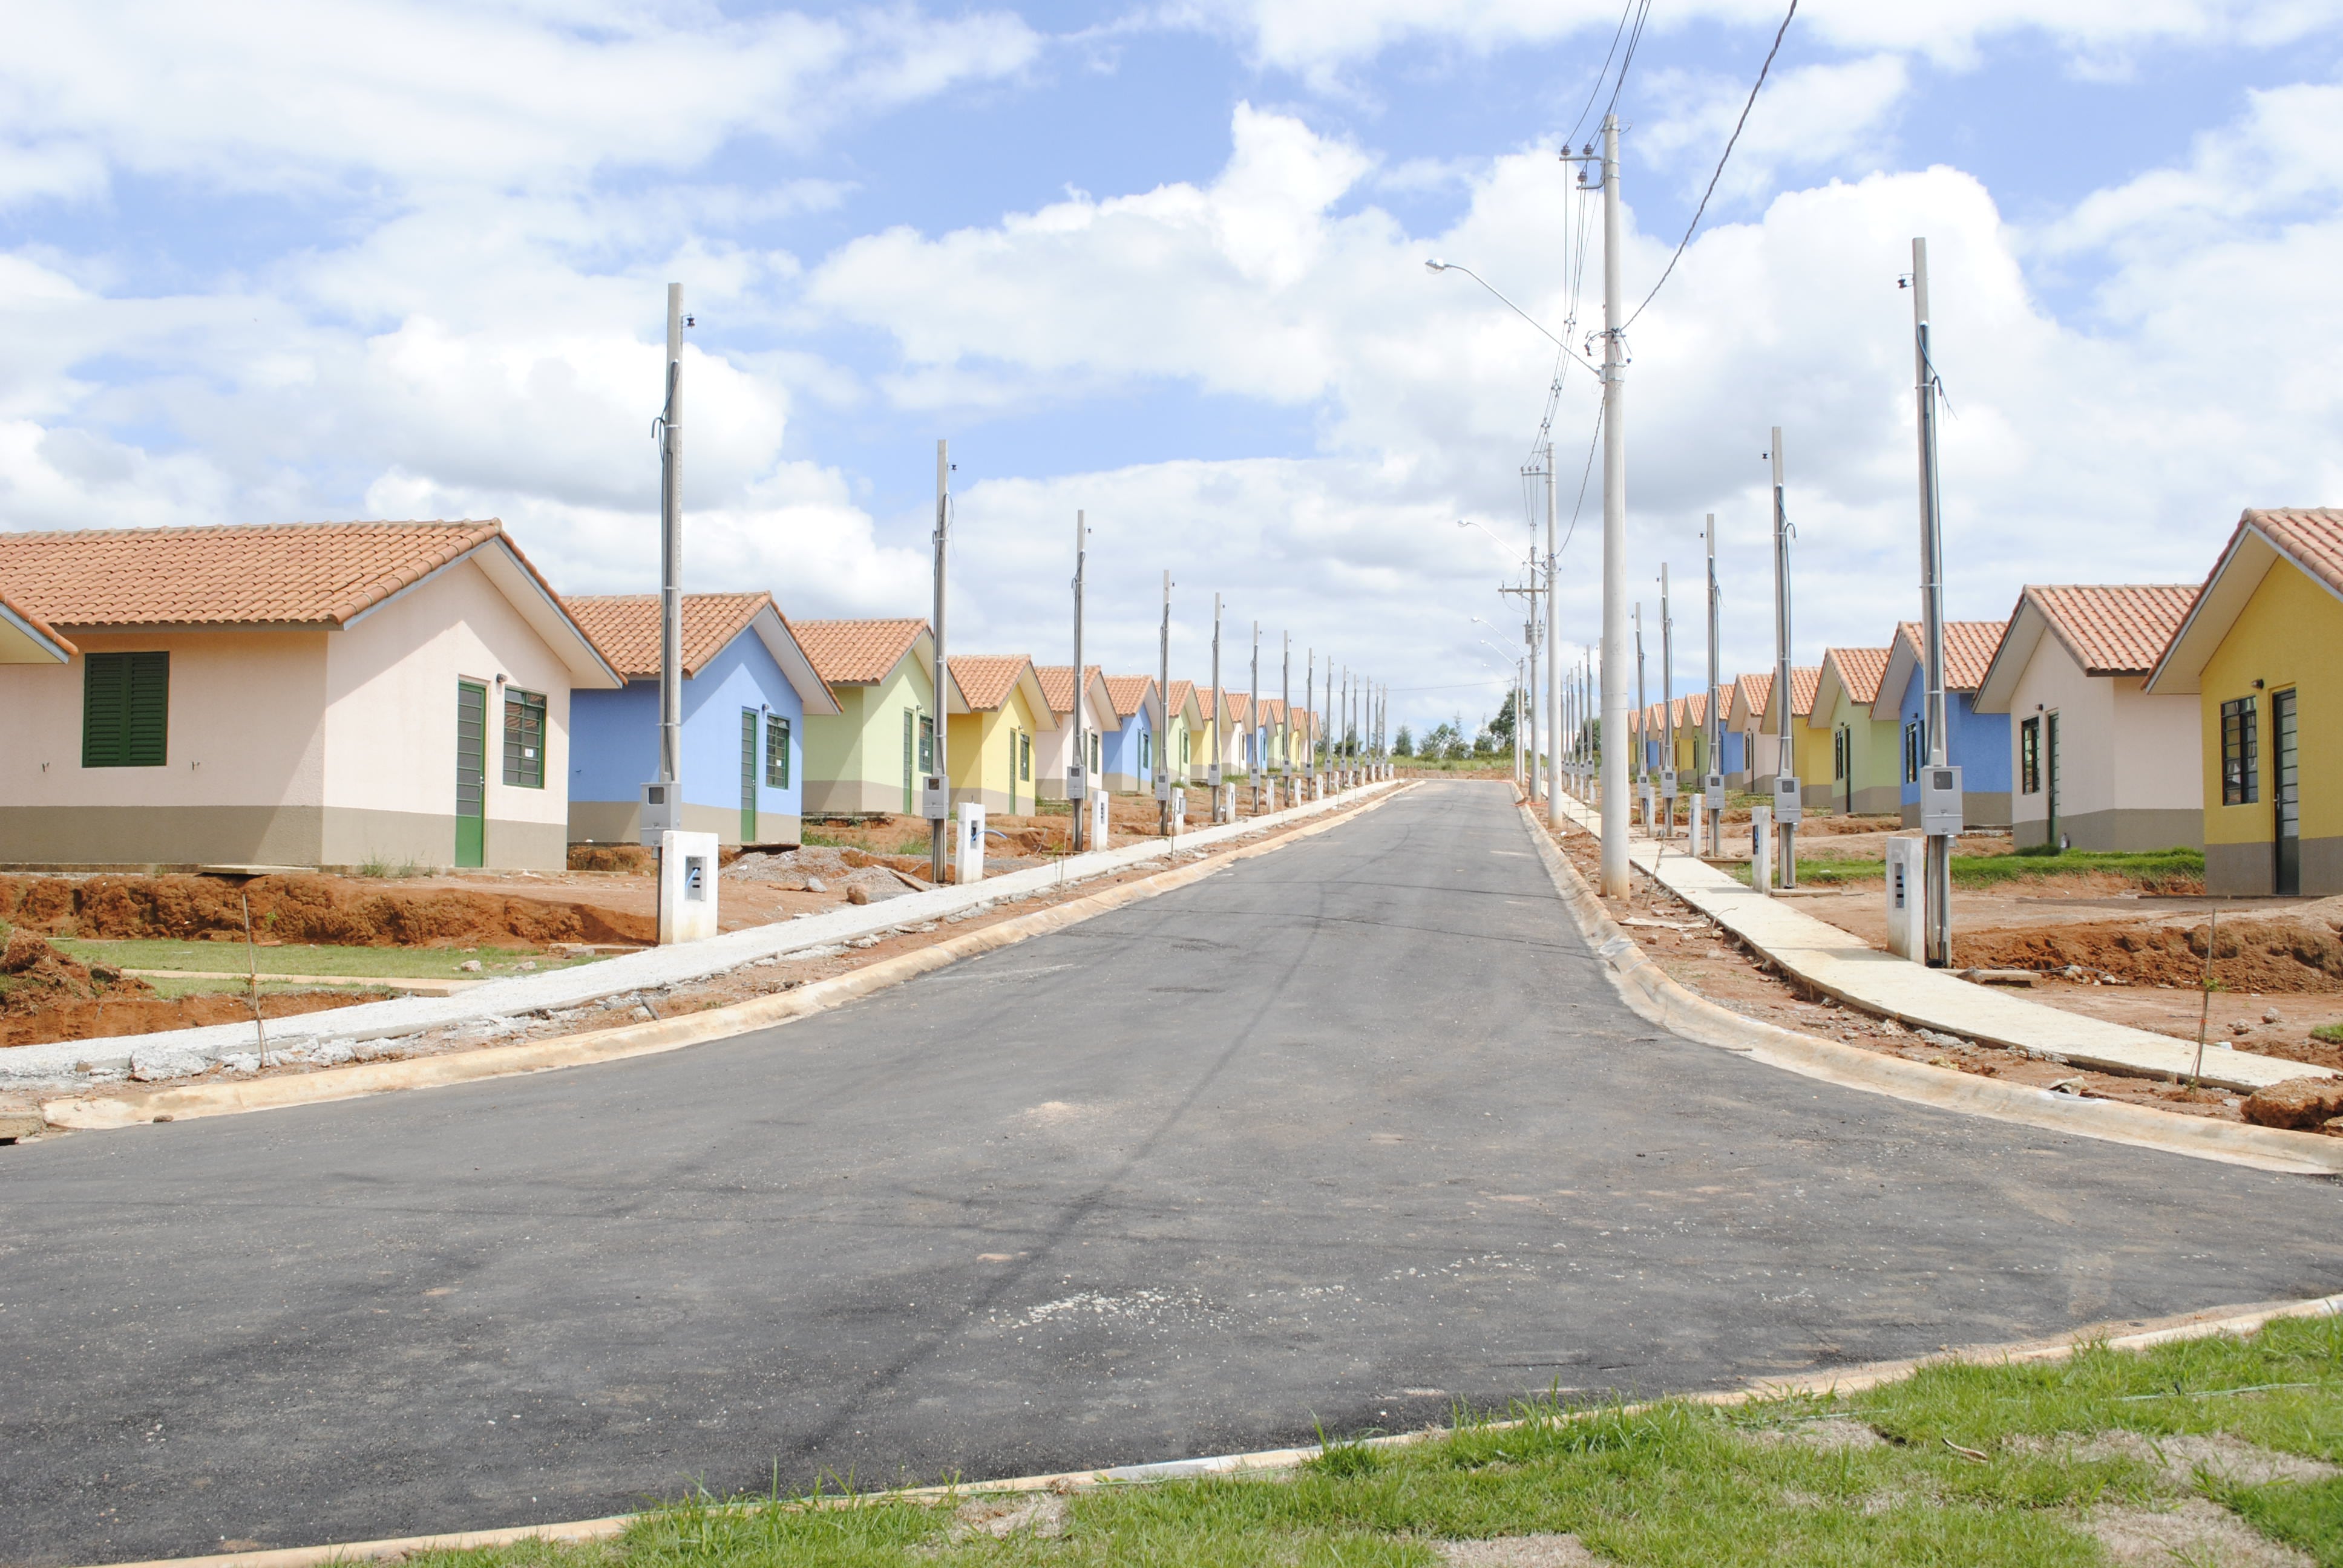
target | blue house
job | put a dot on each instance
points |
(1977, 743)
(1129, 755)
(747, 689)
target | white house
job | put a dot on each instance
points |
(2095, 762)
(314, 694)
(1053, 749)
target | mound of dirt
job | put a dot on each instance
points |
(837, 869)
(635, 859)
(34, 976)
(2305, 1103)
(2268, 953)
(306, 908)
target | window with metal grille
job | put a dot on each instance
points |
(524, 738)
(1146, 751)
(1838, 753)
(1025, 758)
(927, 743)
(777, 751)
(1911, 754)
(2029, 756)
(125, 709)
(2241, 783)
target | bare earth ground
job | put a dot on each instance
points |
(1704, 958)
(763, 978)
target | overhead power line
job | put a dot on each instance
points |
(1689, 228)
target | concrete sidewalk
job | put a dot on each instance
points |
(328, 1037)
(1843, 965)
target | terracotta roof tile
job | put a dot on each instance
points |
(1058, 684)
(1757, 690)
(1860, 670)
(1805, 680)
(986, 679)
(2312, 536)
(857, 652)
(2116, 630)
(276, 574)
(1182, 692)
(40, 627)
(1969, 647)
(626, 627)
(1129, 692)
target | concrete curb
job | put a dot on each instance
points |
(1837, 963)
(1648, 989)
(189, 1102)
(1264, 1462)
(187, 1051)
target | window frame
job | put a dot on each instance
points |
(2241, 751)
(2029, 756)
(776, 763)
(513, 771)
(124, 671)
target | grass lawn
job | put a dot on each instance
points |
(1955, 1465)
(2159, 870)
(171, 987)
(292, 959)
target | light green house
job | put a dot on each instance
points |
(1859, 758)
(868, 760)
(1185, 741)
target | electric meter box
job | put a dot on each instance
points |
(1214, 773)
(935, 800)
(1667, 783)
(1940, 801)
(1073, 781)
(1713, 788)
(1789, 797)
(1163, 789)
(661, 811)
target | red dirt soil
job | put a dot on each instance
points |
(306, 908)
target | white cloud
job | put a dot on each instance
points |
(1832, 116)
(337, 93)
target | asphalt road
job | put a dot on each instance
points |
(1336, 1135)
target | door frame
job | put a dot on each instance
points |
(2050, 775)
(478, 848)
(2286, 791)
(752, 763)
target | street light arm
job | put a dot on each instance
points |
(1436, 265)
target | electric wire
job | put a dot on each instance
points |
(1620, 82)
(1600, 77)
(1778, 35)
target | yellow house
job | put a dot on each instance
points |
(2263, 653)
(1184, 740)
(1861, 751)
(1810, 754)
(997, 708)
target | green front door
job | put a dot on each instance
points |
(748, 776)
(471, 773)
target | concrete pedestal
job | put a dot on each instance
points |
(968, 844)
(687, 887)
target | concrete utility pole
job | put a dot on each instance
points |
(1163, 739)
(1642, 705)
(1785, 756)
(1716, 726)
(1254, 734)
(1553, 655)
(938, 850)
(1219, 707)
(1614, 881)
(670, 762)
(1310, 703)
(1077, 798)
(1667, 710)
(1938, 871)
(1285, 712)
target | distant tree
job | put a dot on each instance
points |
(1502, 727)
(1403, 743)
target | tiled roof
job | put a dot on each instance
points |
(1860, 670)
(1805, 680)
(277, 574)
(1058, 684)
(1182, 693)
(985, 680)
(857, 652)
(1129, 692)
(626, 627)
(1757, 690)
(2312, 536)
(2116, 630)
(1968, 649)
(39, 627)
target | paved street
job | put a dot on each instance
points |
(1338, 1134)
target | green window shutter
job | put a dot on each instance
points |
(125, 709)
(524, 738)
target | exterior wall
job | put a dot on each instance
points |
(1873, 784)
(242, 777)
(1977, 743)
(2130, 775)
(1123, 774)
(2290, 634)
(854, 761)
(617, 749)
(982, 758)
(1054, 748)
(390, 728)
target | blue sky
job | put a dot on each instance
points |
(1163, 263)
